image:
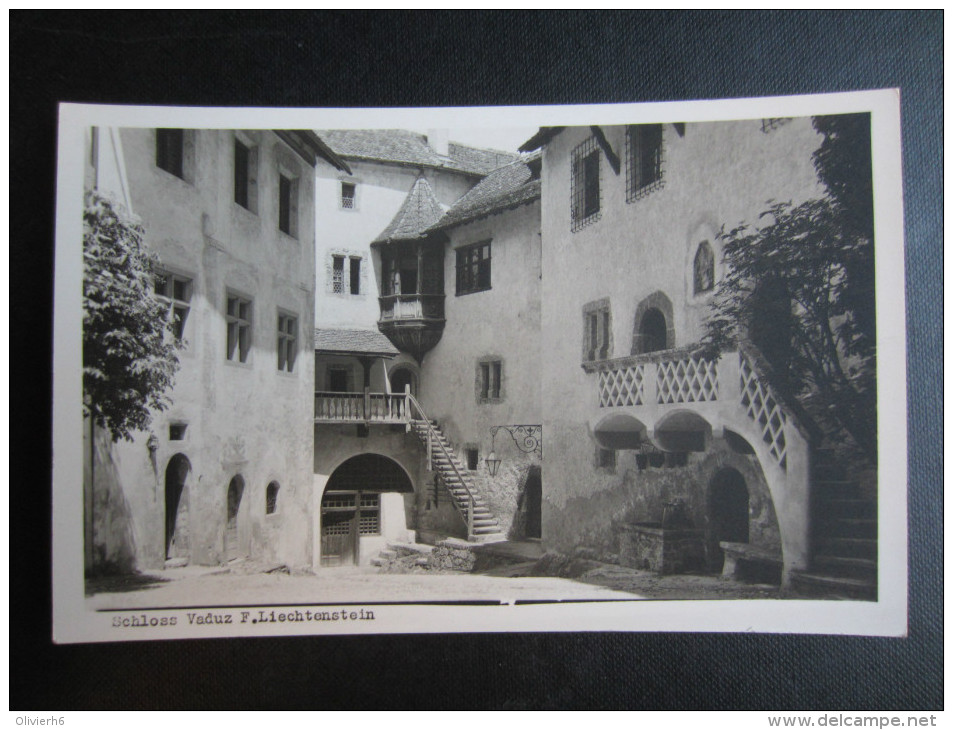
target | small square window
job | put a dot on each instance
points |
(177, 431)
(238, 328)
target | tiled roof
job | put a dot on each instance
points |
(354, 342)
(540, 138)
(507, 187)
(404, 147)
(419, 211)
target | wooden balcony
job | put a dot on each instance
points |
(413, 322)
(363, 408)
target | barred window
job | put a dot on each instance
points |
(370, 518)
(337, 275)
(586, 194)
(348, 191)
(176, 293)
(287, 341)
(644, 154)
(473, 268)
(238, 328)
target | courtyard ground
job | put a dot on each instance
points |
(247, 584)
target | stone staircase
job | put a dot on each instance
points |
(844, 535)
(483, 526)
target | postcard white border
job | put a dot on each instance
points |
(74, 622)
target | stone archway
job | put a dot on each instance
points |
(353, 507)
(400, 378)
(177, 532)
(728, 509)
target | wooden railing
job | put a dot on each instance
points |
(411, 306)
(361, 407)
(434, 441)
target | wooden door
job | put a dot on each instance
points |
(339, 529)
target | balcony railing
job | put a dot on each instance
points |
(363, 407)
(396, 307)
(676, 377)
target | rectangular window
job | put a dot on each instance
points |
(170, 151)
(284, 204)
(176, 292)
(607, 458)
(586, 195)
(287, 341)
(490, 379)
(242, 154)
(348, 191)
(644, 165)
(473, 459)
(597, 329)
(370, 518)
(238, 328)
(337, 275)
(355, 275)
(473, 268)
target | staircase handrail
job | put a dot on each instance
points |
(432, 438)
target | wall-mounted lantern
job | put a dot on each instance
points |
(528, 439)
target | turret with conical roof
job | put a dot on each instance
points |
(412, 314)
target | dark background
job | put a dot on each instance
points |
(455, 58)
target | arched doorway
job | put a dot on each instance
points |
(236, 488)
(533, 503)
(400, 378)
(177, 507)
(727, 509)
(351, 508)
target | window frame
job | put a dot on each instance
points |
(636, 184)
(241, 325)
(597, 341)
(170, 151)
(287, 341)
(474, 273)
(347, 202)
(175, 304)
(489, 380)
(585, 189)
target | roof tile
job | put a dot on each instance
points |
(353, 341)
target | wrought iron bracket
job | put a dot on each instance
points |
(528, 438)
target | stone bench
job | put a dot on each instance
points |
(744, 561)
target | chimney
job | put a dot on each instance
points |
(439, 141)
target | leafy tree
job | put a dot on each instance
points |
(129, 355)
(800, 287)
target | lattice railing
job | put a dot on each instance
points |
(622, 387)
(763, 407)
(689, 380)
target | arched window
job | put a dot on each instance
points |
(271, 498)
(654, 325)
(653, 329)
(704, 268)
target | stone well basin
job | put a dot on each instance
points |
(663, 550)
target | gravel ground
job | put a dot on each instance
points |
(247, 584)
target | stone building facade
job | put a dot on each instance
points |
(225, 472)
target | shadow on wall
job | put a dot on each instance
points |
(113, 542)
